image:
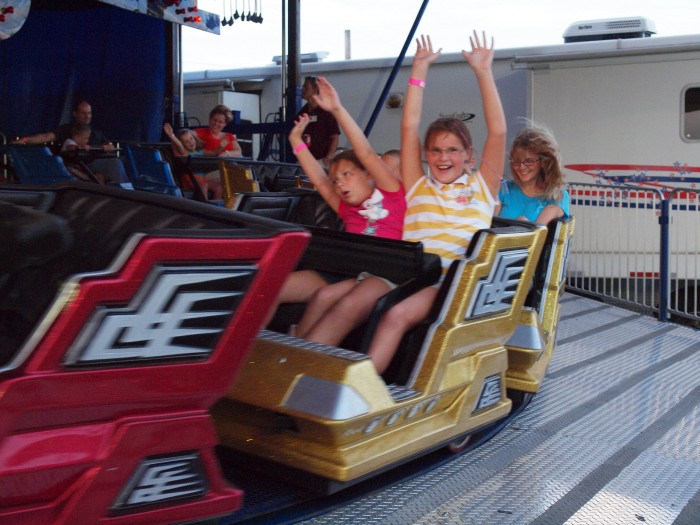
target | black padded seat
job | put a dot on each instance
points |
(272, 176)
(30, 237)
(273, 205)
(99, 221)
(298, 205)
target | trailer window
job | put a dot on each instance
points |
(691, 114)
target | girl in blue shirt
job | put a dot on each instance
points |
(536, 192)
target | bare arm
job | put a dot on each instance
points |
(550, 213)
(178, 148)
(39, 138)
(221, 151)
(310, 165)
(411, 151)
(493, 155)
(235, 152)
(329, 100)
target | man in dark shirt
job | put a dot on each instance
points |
(82, 114)
(111, 167)
(323, 132)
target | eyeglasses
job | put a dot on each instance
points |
(450, 152)
(528, 163)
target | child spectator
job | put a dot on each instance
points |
(184, 144)
(79, 138)
(78, 141)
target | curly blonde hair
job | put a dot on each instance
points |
(539, 140)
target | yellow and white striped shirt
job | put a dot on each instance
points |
(445, 217)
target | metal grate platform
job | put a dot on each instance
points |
(613, 437)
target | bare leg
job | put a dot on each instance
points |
(396, 322)
(348, 312)
(203, 186)
(213, 179)
(297, 288)
(320, 302)
(217, 191)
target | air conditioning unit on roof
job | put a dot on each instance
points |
(609, 29)
(306, 58)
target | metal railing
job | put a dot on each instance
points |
(684, 260)
(638, 246)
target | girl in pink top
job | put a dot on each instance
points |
(369, 199)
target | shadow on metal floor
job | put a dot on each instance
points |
(613, 437)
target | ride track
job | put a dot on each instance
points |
(610, 438)
(276, 493)
(269, 500)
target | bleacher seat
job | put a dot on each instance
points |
(236, 179)
(149, 172)
(272, 176)
(37, 165)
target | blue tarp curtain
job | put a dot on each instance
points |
(108, 56)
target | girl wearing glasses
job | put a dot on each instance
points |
(536, 192)
(446, 207)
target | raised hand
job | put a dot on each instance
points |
(299, 126)
(481, 55)
(424, 52)
(327, 96)
(168, 129)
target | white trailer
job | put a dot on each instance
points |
(625, 110)
(629, 105)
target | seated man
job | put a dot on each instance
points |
(111, 167)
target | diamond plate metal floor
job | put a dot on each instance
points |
(613, 437)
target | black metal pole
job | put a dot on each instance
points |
(293, 93)
(395, 69)
(664, 223)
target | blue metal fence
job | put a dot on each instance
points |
(639, 246)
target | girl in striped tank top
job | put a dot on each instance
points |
(446, 207)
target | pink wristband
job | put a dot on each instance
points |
(416, 82)
(300, 147)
